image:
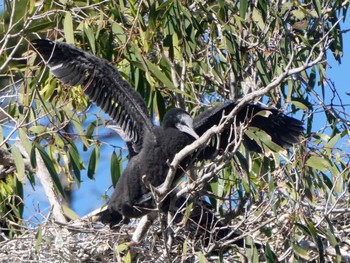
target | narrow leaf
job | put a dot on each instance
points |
(317, 163)
(69, 213)
(243, 7)
(299, 105)
(90, 129)
(116, 167)
(270, 256)
(300, 251)
(127, 258)
(68, 28)
(49, 165)
(38, 238)
(75, 162)
(160, 75)
(33, 157)
(24, 140)
(91, 37)
(19, 162)
(317, 6)
(185, 247)
(201, 257)
(94, 158)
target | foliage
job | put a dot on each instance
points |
(191, 55)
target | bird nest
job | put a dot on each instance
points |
(286, 231)
(52, 242)
(87, 242)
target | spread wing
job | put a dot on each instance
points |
(283, 130)
(103, 84)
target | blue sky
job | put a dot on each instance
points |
(339, 73)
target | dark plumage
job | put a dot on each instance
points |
(158, 148)
(103, 84)
(151, 147)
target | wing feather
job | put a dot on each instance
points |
(283, 130)
(103, 84)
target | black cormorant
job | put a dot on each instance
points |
(151, 147)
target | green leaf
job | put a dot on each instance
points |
(90, 129)
(257, 17)
(68, 28)
(41, 26)
(262, 70)
(189, 207)
(33, 157)
(58, 141)
(38, 129)
(19, 188)
(185, 247)
(303, 228)
(312, 78)
(2, 134)
(91, 37)
(159, 75)
(19, 162)
(299, 105)
(49, 165)
(299, 14)
(93, 162)
(263, 139)
(311, 227)
(152, 16)
(127, 258)
(116, 167)
(122, 247)
(118, 32)
(38, 238)
(317, 7)
(48, 90)
(77, 123)
(333, 141)
(272, 187)
(300, 251)
(201, 257)
(270, 256)
(318, 163)
(333, 240)
(76, 163)
(243, 8)
(69, 213)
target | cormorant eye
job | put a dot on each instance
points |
(183, 123)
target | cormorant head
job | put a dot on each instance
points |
(181, 120)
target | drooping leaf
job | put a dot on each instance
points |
(69, 213)
(76, 164)
(270, 256)
(91, 37)
(93, 162)
(38, 238)
(116, 167)
(49, 165)
(19, 162)
(68, 28)
(243, 8)
(201, 257)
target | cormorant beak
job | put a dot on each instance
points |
(189, 130)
